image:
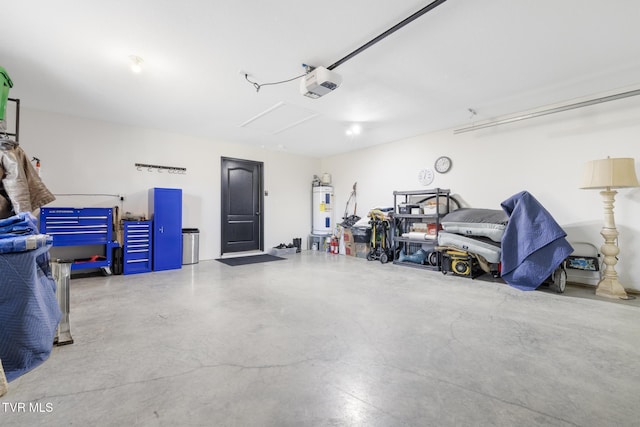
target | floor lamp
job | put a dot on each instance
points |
(606, 175)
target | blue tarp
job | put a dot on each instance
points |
(533, 244)
(29, 311)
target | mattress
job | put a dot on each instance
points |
(484, 247)
(489, 223)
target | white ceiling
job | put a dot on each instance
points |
(496, 57)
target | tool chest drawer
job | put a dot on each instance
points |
(137, 249)
(76, 227)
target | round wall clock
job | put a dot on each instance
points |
(425, 176)
(443, 164)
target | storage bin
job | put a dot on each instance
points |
(408, 208)
(361, 234)
(433, 208)
(283, 251)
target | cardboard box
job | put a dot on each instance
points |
(423, 227)
(350, 249)
(349, 244)
(419, 227)
(431, 229)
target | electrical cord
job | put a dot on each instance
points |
(119, 196)
(257, 85)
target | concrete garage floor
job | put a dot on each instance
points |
(327, 340)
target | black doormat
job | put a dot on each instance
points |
(252, 259)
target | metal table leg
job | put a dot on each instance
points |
(61, 271)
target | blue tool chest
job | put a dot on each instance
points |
(80, 227)
(137, 247)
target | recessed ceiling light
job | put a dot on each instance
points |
(136, 63)
(354, 129)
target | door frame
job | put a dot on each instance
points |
(260, 197)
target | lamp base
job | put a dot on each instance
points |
(611, 288)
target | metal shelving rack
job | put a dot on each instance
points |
(402, 223)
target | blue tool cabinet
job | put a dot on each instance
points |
(165, 208)
(80, 227)
(137, 251)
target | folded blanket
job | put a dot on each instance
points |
(25, 243)
(533, 244)
(29, 311)
(22, 223)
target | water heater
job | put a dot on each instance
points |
(322, 213)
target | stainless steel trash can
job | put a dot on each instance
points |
(61, 272)
(190, 246)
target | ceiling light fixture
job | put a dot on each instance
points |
(354, 130)
(136, 63)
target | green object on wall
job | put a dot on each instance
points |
(5, 85)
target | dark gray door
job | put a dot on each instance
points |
(241, 190)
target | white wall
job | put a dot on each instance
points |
(94, 157)
(544, 156)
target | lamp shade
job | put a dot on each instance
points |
(610, 173)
